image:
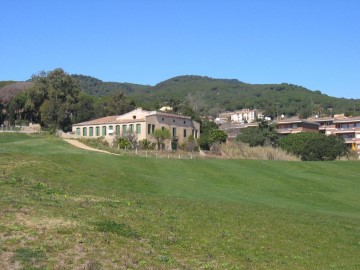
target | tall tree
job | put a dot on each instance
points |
(85, 108)
(16, 107)
(119, 104)
(264, 134)
(161, 135)
(53, 98)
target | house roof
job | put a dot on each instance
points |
(348, 120)
(108, 120)
(295, 120)
(129, 118)
(171, 115)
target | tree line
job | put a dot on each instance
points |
(56, 101)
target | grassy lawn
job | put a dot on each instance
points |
(66, 208)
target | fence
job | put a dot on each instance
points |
(163, 154)
(19, 129)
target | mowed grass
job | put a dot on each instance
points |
(66, 208)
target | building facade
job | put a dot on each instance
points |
(140, 123)
(346, 127)
(241, 116)
(295, 125)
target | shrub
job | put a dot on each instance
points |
(124, 143)
(146, 145)
(314, 146)
(264, 135)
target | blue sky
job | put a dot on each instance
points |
(312, 43)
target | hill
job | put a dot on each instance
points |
(62, 207)
(215, 95)
(98, 88)
(227, 95)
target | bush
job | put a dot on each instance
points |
(314, 146)
(263, 135)
(146, 145)
(190, 144)
(124, 143)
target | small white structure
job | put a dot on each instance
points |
(166, 109)
(242, 116)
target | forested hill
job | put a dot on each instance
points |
(98, 88)
(215, 95)
(212, 96)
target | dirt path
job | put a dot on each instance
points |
(85, 147)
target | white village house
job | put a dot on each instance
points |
(140, 122)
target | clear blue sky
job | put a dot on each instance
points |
(312, 43)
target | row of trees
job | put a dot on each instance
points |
(56, 101)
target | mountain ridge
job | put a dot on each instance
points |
(216, 95)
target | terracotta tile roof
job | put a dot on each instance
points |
(108, 120)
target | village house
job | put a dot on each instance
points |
(346, 127)
(295, 125)
(240, 116)
(141, 123)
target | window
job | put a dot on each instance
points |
(77, 131)
(111, 128)
(138, 128)
(91, 131)
(196, 134)
(97, 131)
(103, 131)
(184, 133)
(124, 127)
(185, 122)
(149, 129)
(131, 128)
(193, 133)
(173, 120)
(162, 128)
(84, 131)
(117, 130)
(174, 132)
(162, 119)
(152, 128)
(134, 116)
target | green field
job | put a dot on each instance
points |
(66, 208)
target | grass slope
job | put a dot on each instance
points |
(65, 208)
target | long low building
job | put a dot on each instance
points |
(140, 122)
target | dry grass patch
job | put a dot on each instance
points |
(244, 151)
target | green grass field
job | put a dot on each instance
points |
(66, 208)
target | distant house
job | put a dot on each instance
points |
(241, 116)
(141, 123)
(295, 125)
(346, 127)
(166, 109)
